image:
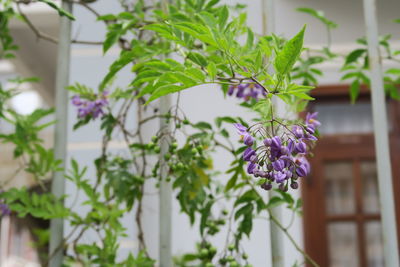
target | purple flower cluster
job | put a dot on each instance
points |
(281, 158)
(4, 209)
(247, 91)
(90, 108)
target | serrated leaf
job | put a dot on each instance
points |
(291, 50)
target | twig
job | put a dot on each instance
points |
(298, 248)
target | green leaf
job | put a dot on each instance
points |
(60, 10)
(354, 55)
(232, 182)
(354, 90)
(165, 90)
(302, 96)
(124, 59)
(111, 38)
(319, 15)
(275, 201)
(246, 209)
(286, 57)
(212, 70)
(197, 58)
(223, 17)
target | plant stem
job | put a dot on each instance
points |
(298, 248)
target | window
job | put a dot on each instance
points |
(341, 200)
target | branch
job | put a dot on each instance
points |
(298, 248)
(41, 35)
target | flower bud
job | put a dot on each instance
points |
(267, 142)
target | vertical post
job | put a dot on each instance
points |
(165, 220)
(276, 235)
(389, 231)
(56, 250)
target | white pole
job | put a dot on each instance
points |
(389, 231)
(276, 234)
(56, 251)
(165, 220)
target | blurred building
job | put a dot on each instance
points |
(341, 222)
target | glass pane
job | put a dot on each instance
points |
(370, 187)
(374, 244)
(345, 118)
(339, 188)
(343, 244)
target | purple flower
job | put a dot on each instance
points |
(248, 153)
(280, 159)
(278, 165)
(91, 108)
(276, 143)
(4, 210)
(251, 167)
(300, 147)
(301, 170)
(279, 177)
(248, 140)
(76, 100)
(245, 135)
(241, 129)
(290, 146)
(311, 120)
(240, 92)
(247, 91)
(297, 131)
(304, 162)
(267, 141)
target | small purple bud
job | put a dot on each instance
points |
(284, 150)
(279, 177)
(283, 187)
(248, 153)
(231, 90)
(267, 142)
(294, 185)
(310, 129)
(248, 140)
(242, 130)
(266, 186)
(76, 100)
(253, 159)
(240, 92)
(276, 143)
(300, 147)
(251, 167)
(270, 167)
(297, 131)
(301, 170)
(290, 146)
(278, 165)
(288, 173)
